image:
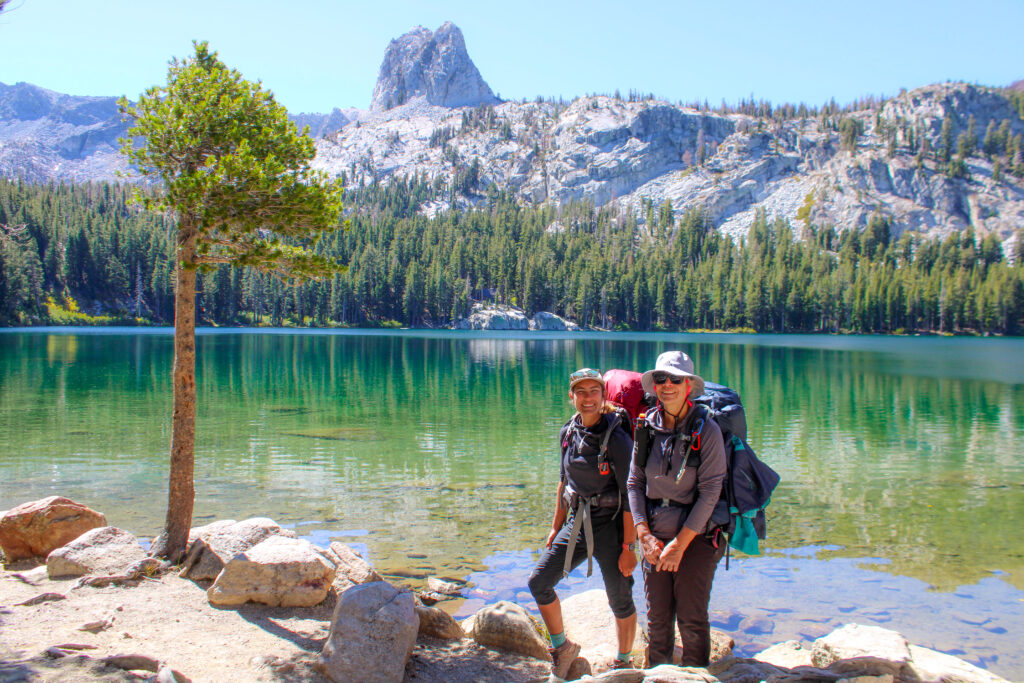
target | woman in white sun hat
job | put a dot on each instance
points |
(672, 504)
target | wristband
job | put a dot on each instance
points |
(629, 546)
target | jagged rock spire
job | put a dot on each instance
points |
(434, 66)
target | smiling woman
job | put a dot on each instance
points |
(596, 447)
(672, 505)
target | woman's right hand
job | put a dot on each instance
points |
(651, 547)
(551, 538)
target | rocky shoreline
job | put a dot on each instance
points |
(254, 602)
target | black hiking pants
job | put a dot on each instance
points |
(682, 597)
(607, 548)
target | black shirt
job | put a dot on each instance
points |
(580, 446)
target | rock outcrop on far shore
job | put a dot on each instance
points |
(503, 317)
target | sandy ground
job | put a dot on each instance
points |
(169, 619)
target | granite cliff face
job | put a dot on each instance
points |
(604, 149)
(46, 135)
(432, 66)
(631, 154)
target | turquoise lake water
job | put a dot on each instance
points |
(435, 453)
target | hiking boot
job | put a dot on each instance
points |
(622, 664)
(562, 658)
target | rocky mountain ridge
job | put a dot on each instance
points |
(634, 154)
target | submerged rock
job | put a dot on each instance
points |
(37, 528)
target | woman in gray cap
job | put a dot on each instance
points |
(671, 498)
(591, 519)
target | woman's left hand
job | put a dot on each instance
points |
(671, 556)
(627, 561)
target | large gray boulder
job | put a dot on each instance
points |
(787, 655)
(589, 621)
(430, 65)
(494, 317)
(929, 665)
(214, 545)
(289, 572)
(507, 626)
(372, 635)
(549, 322)
(864, 650)
(102, 552)
(37, 528)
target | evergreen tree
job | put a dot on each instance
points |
(235, 172)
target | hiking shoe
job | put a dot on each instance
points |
(622, 664)
(562, 658)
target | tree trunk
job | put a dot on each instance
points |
(181, 493)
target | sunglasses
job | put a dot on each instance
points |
(662, 377)
(585, 373)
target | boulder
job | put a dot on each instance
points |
(549, 322)
(289, 572)
(443, 587)
(372, 635)
(862, 650)
(735, 669)
(495, 317)
(37, 528)
(589, 621)
(100, 552)
(667, 673)
(787, 655)
(350, 569)
(437, 623)
(929, 665)
(215, 544)
(508, 626)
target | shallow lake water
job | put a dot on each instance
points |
(435, 454)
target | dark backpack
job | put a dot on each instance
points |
(748, 484)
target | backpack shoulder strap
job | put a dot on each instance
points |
(642, 441)
(603, 465)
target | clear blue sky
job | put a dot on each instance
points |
(318, 54)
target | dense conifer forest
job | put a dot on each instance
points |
(84, 254)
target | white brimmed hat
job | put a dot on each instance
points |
(677, 364)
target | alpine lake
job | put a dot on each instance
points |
(435, 454)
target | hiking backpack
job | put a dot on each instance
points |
(623, 389)
(748, 484)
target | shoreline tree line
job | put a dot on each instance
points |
(84, 254)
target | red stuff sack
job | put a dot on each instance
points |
(623, 388)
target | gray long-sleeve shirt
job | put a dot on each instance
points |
(699, 487)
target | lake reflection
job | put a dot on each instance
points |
(443, 444)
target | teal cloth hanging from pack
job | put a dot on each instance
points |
(744, 537)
